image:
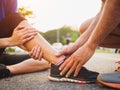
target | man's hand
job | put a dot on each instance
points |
(36, 53)
(21, 35)
(67, 51)
(76, 60)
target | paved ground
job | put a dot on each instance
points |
(38, 81)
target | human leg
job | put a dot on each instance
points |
(48, 51)
(113, 39)
(49, 55)
(19, 64)
(28, 66)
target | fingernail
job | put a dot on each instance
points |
(59, 68)
(74, 75)
(66, 76)
(61, 74)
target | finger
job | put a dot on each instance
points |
(31, 52)
(40, 56)
(77, 69)
(28, 39)
(72, 69)
(29, 30)
(60, 53)
(66, 68)
(34, 52)
(37, 52)
(19, 27)
(64, 64)
(28, 34)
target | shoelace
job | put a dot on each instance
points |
(118, 69)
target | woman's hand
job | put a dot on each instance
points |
(22, 34)
(36, 53)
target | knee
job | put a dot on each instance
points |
(85, 25)
(82, 28)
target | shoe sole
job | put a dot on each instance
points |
(69, 80)
(112, 85)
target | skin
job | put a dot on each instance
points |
(101, 30)
(22, 34)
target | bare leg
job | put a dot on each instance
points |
(28, 66)
(113, 39)
(48, 51)
(84, 26)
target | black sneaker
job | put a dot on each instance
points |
(84, 76)
(4, 72)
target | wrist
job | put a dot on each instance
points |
(9, 42)
(91, 45)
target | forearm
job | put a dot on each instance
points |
(5, 42)
(110, 18)
(85, 36)
(7, 25)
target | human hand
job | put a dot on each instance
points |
(67, 51)
(36, 53)
(76, 60)
(22, 34)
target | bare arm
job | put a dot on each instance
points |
(5, 42)
(110, 18)
(84, 36)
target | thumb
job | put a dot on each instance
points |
(19, 27)
(60, 53)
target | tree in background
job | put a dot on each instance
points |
(51, 35)
(25, 12)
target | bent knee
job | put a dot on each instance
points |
(85, 25)
(82, 28)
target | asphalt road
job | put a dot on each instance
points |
(102, 63)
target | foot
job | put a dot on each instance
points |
(84, 76)
(4, 72)
(110, 79)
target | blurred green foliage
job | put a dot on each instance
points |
(51, 35)
(25, 12)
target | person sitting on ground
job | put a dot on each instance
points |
(11, 35)
(38, 46)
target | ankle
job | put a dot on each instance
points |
(10, 68)
(61, 60)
